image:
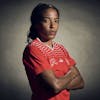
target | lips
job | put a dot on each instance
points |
(52, 32)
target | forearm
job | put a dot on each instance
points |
(68, 81)
(64, 82)
(76, 83)
(71, 81)
(56, 84)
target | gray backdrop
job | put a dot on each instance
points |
(78, 32)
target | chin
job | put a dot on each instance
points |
(51, 37)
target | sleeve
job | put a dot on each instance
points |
(70, 61)
(34, 59)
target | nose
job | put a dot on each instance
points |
(52, 24)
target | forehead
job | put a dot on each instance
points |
(50, 12)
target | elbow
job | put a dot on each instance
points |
(82, 84)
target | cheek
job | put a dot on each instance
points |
(57, 26)
(45, 27)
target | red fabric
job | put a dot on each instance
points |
(37, 58)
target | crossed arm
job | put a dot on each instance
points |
(70, 81)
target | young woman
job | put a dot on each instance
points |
(50, 69)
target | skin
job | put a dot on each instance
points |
(47, 31)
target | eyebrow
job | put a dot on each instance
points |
(49, 17)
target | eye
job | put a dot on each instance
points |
(56, 21)
(45, 20)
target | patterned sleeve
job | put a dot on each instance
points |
(34, 59)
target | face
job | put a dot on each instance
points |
(49, 25)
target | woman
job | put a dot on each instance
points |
(50, 69)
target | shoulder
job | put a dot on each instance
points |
(32, 47)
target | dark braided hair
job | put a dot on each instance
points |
(36, 18)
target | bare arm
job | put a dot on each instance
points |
(77, 82)
(68, 81)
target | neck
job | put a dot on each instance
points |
(47, 42)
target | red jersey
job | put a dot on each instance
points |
(38, 57)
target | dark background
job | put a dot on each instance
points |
(79, 32)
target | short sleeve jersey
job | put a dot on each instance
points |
(38, 57)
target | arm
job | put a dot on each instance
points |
(68, 81)
(77, 82)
